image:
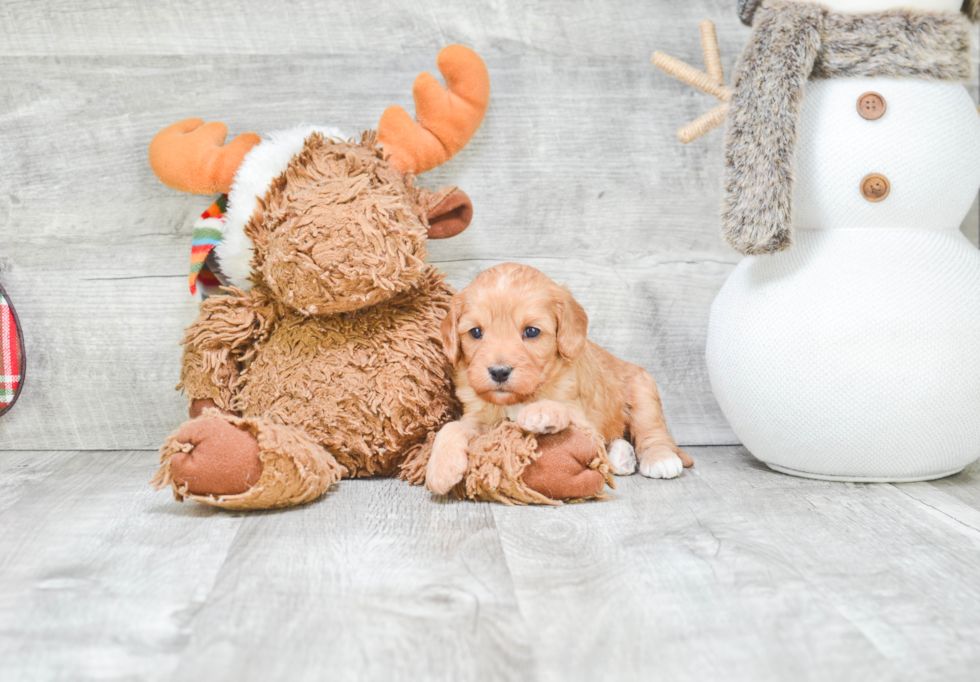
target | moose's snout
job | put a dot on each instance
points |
(500, 373)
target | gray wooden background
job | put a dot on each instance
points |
(576, 171)
(730, 572)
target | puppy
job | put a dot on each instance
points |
(517, 343)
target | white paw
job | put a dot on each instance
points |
(622, 457)
(544, 417)
(670, 467)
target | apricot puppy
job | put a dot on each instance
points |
(517, 343)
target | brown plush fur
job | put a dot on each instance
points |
(340, 230)
(366, 385)
(336, 348)
(792, 42)
(332, 364)
(556, 378)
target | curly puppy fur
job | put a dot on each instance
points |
(518, 343)
(792, 42)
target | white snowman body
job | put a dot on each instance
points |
(854, 354)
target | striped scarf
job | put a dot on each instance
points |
(207, 233)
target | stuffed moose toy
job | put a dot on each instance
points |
(322, 358)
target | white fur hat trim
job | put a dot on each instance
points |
(265, 162)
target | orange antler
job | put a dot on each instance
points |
(447, 117)
(189, 156)
(712, 82)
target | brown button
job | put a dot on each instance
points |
(871, 106)
(875, 187)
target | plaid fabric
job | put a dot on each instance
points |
(207, 233)
(10, 355)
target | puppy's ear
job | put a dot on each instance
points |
(573, 325)
(450, 335)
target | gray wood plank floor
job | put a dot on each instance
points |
(731, 572)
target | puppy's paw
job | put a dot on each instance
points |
(544, 416)
(661, 464)
(622, 457)
(446, 468)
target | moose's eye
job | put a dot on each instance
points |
(531, 332)
(476, 333)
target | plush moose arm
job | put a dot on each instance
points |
(220, 343)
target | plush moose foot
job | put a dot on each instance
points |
(223, 459)
(507, 464)
(245, 463)
(562, 469)
(198, 405)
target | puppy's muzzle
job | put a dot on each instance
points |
(500, 373)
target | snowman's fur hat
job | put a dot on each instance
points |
(747, 8)
(792, 42)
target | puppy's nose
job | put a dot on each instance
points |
(500, 373)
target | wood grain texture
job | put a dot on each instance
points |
(735, 572)
(730, 572)
(99, 280)
(21, 472)
(92, 559)
(576, 170)
(194, 27)
(389, 584)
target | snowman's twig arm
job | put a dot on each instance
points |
(711, 82)
(712, 55)
(693, 77)
(703, 124)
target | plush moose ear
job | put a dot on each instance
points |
(447, 117)
(450, 333)
(573, 325)
(450, 216)
(191, 156)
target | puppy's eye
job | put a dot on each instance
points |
(531, 332)
(476, 333)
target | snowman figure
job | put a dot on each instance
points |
(845, 345)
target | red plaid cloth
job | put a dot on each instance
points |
(10, 355)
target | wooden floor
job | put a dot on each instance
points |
(731, 572)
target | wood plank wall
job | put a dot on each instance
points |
(575, 171)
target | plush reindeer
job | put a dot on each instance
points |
(323, 358)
